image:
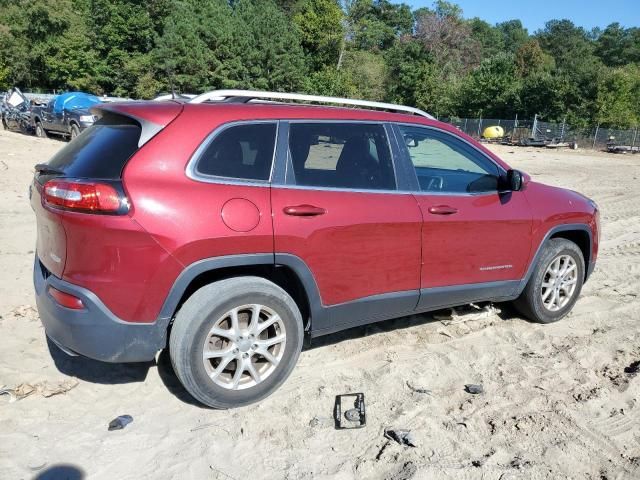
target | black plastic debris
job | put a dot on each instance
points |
(349, 411)
(402, 436)
(120, 422)
(633, 368)
(473, 389)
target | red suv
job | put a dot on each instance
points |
(228, 227)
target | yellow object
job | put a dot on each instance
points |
(493, 132)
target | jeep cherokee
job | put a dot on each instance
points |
(228, 227)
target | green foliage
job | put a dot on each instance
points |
(319, 24)
(618, 46)
(531, 59)
(490, 38)
(618, 97)
(492, 89)
(368, 74)
(432, 58)
(375, 24)
(267, 48)
(513, 34)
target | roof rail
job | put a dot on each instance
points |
(248, 95)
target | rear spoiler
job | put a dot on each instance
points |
(152, 116)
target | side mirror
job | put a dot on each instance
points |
(514, 181)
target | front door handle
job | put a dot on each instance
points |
(443, 210)
(304, 210)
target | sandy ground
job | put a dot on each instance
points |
(557, 402)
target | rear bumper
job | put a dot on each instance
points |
(93, 332)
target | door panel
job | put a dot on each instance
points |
(486, 239)
(472, 234)
(364, 244)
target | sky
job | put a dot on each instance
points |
(534, 13)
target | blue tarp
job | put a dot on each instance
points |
(73, 100)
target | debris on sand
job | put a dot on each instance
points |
(406, 472)
(120, 422)
(466, 313)
(46, 389)
(418, 389)
(473, 389)
(402, 436)
(25, 311)
(633, 368)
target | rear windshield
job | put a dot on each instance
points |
(101, 152)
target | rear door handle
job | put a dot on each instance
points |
(443, 210)
(304, 210)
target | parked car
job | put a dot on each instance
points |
(15, 111)
(228, 230)
(65, 115)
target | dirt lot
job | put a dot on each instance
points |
(560, 401)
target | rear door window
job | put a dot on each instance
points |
(341, 155)
(101, 151)
(243, 152)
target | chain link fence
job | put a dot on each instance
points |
(538, 133)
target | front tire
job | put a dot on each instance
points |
(555, 284)
(235, 341)
(75, 131)
(40, 131)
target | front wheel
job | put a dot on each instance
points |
(75, 131)
(555, 284)
(235, 341)
(40, 131)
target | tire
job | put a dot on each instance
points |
(40, 131)
(75, 131)
(531, 303)
(211, 306)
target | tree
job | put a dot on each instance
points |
(618, 97)
(267, 48)
(531, 59)
(569, 45)
(367, 72)
(375, 24)
(198, 49)
(490, 38)
(321, 32)
(492, 89)
(618, 46)
(447, 39)
(513, 34)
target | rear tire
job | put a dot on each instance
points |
(209, 344)
(555, 284)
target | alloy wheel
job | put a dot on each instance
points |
(244, 346)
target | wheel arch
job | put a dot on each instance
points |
(287, 271)
(578, 233)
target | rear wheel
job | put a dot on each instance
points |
(40, 131)
(555, 284)
(236, 341)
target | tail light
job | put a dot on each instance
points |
(84, 196)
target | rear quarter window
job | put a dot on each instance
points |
(243, 152)
(101, 151)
